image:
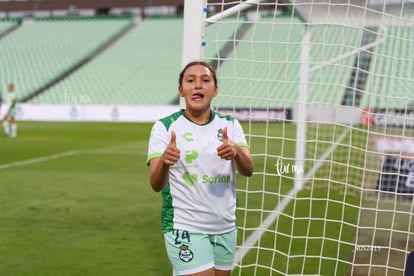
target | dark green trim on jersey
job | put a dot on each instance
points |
(167, 215)
(224, 116)
(210, 119)
(169, 120)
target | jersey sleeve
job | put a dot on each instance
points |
(158, 141)
(238, 134)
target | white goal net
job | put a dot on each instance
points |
(325, 91)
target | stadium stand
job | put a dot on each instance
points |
(7, 25)
(141, 68)
(390, 85)
(270, 80)
(333, 56)
(280, 79)
(41, 50)
(220, 38)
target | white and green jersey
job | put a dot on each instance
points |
(201, 193)
(11, 103)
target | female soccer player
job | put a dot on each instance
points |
(10, 113)
(193, 155)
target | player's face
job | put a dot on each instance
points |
(198, 88)
(10, 87)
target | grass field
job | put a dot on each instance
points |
(75, 200)
(313, 235)
(81, 204)
(85, 209)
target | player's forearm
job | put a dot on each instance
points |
(158, 174)
(243, 161)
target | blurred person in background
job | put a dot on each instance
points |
(9, 117)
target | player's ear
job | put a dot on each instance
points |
(215, 90)
(180, 90)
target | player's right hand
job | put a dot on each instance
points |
(171, 153)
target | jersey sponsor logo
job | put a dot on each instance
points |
(191, 179)
(188, 136)
(190, 156)
(216, 179)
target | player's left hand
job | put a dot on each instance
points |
(227, 150)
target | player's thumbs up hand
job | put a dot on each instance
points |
(173, 140)
(228, 149)
(171, 153)
(225, 136)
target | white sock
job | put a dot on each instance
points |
(14, 130)
(6, 127)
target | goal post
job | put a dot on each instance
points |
(324, 91)
(193, 31)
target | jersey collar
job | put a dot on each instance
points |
(210, 119)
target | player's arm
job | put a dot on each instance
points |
(243, 161)
(160, 166)
(230, 150)
(158, 174)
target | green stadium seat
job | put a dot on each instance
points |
(6, 24)
(249, 79)
(141, 69)
(390, 85)
(40, 50)
(262, 72)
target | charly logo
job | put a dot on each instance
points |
(185, 254)
(188, 136)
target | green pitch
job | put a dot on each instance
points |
(81, 204)
(75, 200)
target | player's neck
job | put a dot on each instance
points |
(198, 117)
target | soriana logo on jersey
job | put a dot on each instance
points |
(192, 179)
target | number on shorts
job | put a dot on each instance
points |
(180, 236)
